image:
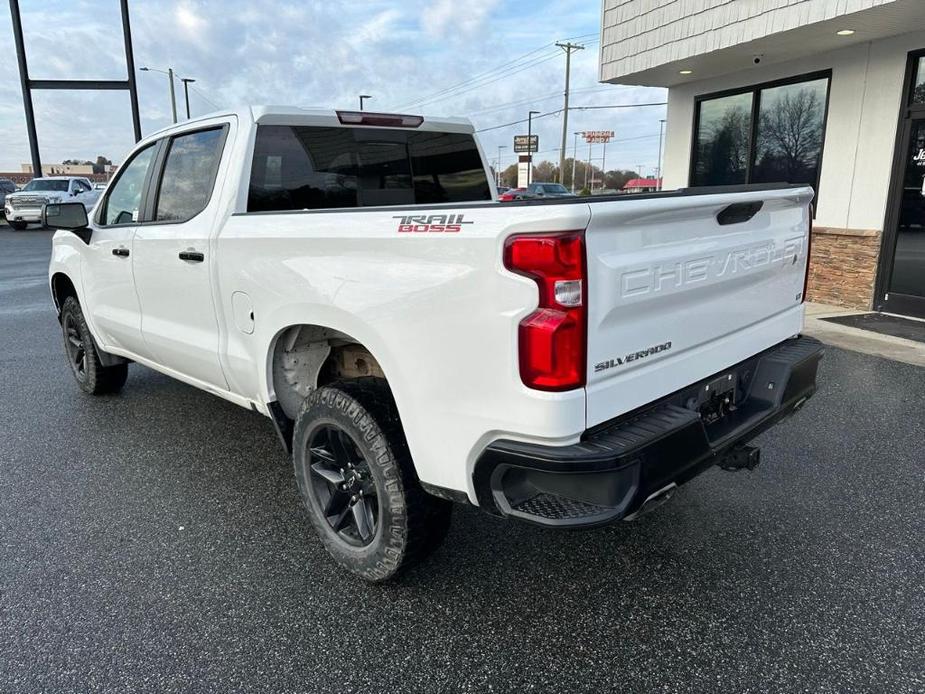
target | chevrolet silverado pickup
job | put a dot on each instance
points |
(415, 343)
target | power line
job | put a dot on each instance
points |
(486, 81)
(478, 76)
(200, 93)
(571, 108)
(489, 76)
(533, 100)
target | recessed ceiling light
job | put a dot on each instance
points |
(845, 32)
(686, 72)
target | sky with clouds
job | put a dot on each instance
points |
(488, 60)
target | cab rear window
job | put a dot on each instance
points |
(307, 168)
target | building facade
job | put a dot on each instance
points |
(825, 92)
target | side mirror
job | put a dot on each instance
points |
(69, 216)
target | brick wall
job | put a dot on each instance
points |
(843, 267)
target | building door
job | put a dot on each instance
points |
(902, 276)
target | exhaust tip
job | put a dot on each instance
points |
(653, 501)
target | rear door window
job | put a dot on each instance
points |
(307, 167)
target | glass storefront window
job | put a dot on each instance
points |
(791, 121)
(723, 132)
(788, 135)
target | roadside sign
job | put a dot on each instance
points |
(524, 144)
(598, 136)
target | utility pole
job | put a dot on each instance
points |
(574, 159)
(658, 179)
(530, 145)
(568, 48)
(186, 83)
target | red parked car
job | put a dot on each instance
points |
(514, 194)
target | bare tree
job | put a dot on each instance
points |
(790, 132)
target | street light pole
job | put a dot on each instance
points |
(530, 145)
(603, 164)
(186, 83)
(588, 168)
(500, 147)
(173, 96)
(362, 98)
(659, 175)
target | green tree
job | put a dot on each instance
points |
(617, 178)
(101, 164)
(509, 176)
(545, 172)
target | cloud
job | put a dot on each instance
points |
(316, 53)
(374, 29)
(188, 21)
(454, 17)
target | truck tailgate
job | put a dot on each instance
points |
(674, 295)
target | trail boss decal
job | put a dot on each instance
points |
(423, 223)
(633, 356)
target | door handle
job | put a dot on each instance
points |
(192, 256)
(121, 252)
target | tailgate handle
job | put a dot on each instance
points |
(738, 212)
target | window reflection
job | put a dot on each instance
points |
(790, 126)
(788, 135)
(918, 90)
(722, 141)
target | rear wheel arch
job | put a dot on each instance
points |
(303, 357)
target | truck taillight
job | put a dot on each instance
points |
(552, 339)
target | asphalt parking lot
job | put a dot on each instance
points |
(154, 541)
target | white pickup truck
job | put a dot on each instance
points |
(25, 207)
(416, 343)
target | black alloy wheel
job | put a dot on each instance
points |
(75, 347)
(343, 485)
(358, 482)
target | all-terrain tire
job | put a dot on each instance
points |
(410, 523)
(83, 358)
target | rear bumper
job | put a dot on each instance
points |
(619, 465)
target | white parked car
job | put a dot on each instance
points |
(25, 207)
(350, 276)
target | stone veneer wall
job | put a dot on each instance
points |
(843, 267)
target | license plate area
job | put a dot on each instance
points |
(715, 400)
